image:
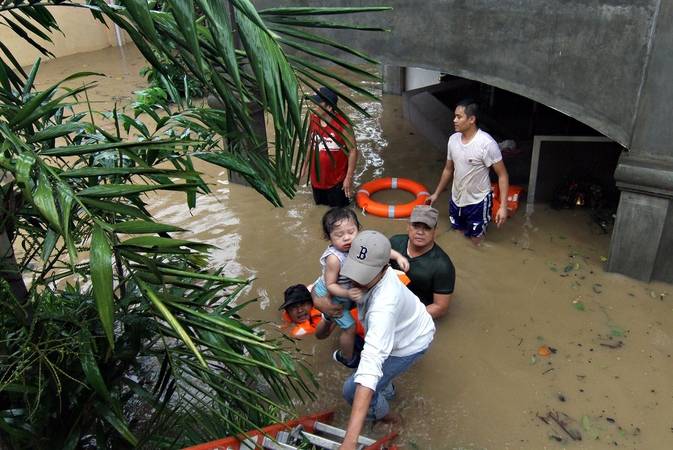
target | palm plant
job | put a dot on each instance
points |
(123, 336)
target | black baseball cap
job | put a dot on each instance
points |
(295, 294)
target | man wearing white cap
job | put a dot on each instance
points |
(431, 271)
(398, 331)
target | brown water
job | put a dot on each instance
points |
(482, 385)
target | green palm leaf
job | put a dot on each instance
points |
(101, 279)
(146, 320)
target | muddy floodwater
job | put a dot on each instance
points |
(539, 281)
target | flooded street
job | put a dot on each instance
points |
(538, 281)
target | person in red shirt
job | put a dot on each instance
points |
(333, 165)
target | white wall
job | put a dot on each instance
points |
(417, 78)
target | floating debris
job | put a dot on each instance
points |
(586, 423)
(617, 344)
(564, 422)
(578, 304)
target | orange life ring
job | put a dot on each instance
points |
(363, 200)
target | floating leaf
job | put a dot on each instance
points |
(539, 338)
(622, 433)
(577, 266)
(549, 263)
(568, 268)
(653, 295)
(597, 288)
(578, 304)
(575, 252)
(544, 351)
(592, 248)
(532, 360)
(617, 331)
(554, 269)
(561, 237)
(604, 366)
(586, 423)
(575, 286)
(604, 258)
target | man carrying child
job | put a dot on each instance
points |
(398, 330)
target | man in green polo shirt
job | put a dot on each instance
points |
(431, 271)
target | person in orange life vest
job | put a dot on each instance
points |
(299, 310)
(333, 166)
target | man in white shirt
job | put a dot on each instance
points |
(398, 331)
(471, 153)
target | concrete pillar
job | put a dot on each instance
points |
(642, 239)
(394, 77)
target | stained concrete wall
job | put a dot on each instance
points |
(588, 59)
(80, 32)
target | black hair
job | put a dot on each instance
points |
(335, 215)
(471, 108)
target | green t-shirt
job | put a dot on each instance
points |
(430, 273)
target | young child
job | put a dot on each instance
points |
(340, 226)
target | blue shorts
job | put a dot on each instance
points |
(473, 219)
(346, 321)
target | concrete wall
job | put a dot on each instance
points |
(80, 33)
(417, 78)
(587, 59)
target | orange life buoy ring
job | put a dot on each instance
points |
(363, 200)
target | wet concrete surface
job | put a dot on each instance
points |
(539, 281)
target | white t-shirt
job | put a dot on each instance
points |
(471, 162)
(396, 323)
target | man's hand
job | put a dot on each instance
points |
(325, 305)
(501, 216)
(431, 199)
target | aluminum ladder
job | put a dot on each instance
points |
(298, 438)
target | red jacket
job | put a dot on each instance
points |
(332, 159)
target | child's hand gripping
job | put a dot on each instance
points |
(355, 294)
(402, 262)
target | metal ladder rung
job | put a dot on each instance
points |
(324, 428)
(268, 444)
